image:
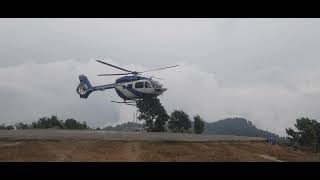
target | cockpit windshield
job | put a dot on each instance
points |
(155, 84)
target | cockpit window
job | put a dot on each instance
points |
(139, 85)
(129, 86)
(147, 84)
(155, 84)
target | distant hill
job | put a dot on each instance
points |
(128, 127)
(236, 126)
(229, 126)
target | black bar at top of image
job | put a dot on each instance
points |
(186, 9)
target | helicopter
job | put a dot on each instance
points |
(129, 87)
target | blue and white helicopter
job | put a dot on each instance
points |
(130, 88)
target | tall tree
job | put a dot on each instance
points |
(153, 113)
(71, 124)
(198, 124)
(307, 134)
(179, 122)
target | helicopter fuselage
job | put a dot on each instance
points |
(127, 87)
(130, 87)
(137, 87)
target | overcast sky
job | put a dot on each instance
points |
(265, 70)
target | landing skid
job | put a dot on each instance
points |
(124, 102)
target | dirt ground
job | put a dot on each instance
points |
(119, 151)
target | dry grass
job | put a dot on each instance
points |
(99, 150)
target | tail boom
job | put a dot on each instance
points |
(85, 88)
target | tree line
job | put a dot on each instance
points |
(156, 118)
(49, 122)
(152, 113)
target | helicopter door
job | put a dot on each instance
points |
(127, 91)
(147, 87)
(139, 85)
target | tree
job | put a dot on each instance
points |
(71, 124)
(10, 127)
(45, 122)
(292, 136)
(4, 127)
(153, 113)
(309, 137)
(308, 133)
(198, 125)
(179, 122)
(83, 125)
(22, 126)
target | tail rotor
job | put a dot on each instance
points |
(84, 88)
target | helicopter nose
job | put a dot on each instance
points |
(160, 90)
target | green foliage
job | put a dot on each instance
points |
(22, 126)
(73, 124)
(153, 113)
(307, 134)
(127, 127)
(198, 125)
(179, 122)
(292, 135)
(52, 122)
(46, 123)
(4, 127)
(10, 127)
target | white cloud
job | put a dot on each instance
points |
(45, 89)
(269, 106)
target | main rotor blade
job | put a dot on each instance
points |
(113, 66)
(153, 77)
(159, 69)
(113, 74)
(156, 78)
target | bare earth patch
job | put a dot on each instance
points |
(133, 151)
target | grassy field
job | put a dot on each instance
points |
(133, 151)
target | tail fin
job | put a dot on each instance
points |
(84, 89)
